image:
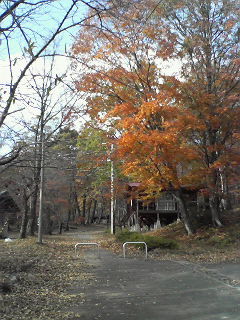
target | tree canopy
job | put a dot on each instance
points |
(174, 131)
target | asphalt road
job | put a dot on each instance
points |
(134, 288)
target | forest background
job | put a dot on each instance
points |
(169, 131)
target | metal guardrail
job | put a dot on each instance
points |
(137, 242)
(87, 244)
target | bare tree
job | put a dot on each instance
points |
(28, 29)
(51, 103)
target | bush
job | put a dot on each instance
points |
(152, 242)
(220, 241)
(126, 235)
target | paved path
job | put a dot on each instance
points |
(133, 288)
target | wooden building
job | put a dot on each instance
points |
(152, 213)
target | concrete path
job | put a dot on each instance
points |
(133, 288)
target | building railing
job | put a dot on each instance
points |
(161, 205)
(166, 205)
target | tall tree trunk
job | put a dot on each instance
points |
(225, 201)
(84, 205)
(89, 211)
(213, 186)
(68, 219)
(32, 222)
(100, 213)
(48, 224)
(23, 229)
(60, 227)
(214, 207)
(93, 210)
(178, 195)
(77, 211)
(77, 207)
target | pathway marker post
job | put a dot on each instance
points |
(135, 242)
(87, 244)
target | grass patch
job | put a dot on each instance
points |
(126, 235)
(220, 241)
(152, 242)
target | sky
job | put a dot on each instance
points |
(37, 30)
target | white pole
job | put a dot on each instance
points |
(112, 195)
(40, 216)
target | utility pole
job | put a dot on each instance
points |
(112, 194)
(40, 216)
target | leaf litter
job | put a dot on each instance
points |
(34, 279)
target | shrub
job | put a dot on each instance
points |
(220, 241)
(152, 242)
(126, 235)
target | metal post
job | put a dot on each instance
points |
(137, 225)
(112, 195)
(135, 242)
(40, 216)
(87, 244)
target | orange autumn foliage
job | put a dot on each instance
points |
(172, 132)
